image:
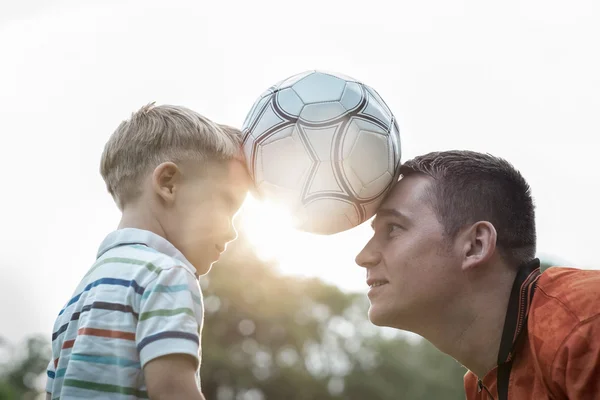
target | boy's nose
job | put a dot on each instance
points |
(231, 234)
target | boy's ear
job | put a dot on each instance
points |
(165, 179)
(479, 244)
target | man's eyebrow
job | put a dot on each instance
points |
(388, 212)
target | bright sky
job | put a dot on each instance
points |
(518, 79)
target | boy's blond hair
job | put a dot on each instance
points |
(156, 134)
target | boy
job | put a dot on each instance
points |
(132, 328)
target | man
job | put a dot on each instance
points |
(452, 259)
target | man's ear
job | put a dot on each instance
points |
(165, 179)
(479, 244)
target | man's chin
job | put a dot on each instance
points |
(378, 318)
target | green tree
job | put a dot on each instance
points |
(268, 336)
(19, 375)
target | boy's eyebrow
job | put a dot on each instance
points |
(229, 199)
(232, 200)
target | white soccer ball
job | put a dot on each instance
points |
(325, 145)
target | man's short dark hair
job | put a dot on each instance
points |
(468, 187)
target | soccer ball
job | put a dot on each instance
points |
(326, 146)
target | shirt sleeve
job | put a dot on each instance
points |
(576, 367)
(170, 316)
(50, 373)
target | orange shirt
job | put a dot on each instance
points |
(558, 355)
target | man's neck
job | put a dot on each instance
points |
(471, 332)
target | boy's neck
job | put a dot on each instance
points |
(140, 218)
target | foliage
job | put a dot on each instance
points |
(19, 376)
(268, 336)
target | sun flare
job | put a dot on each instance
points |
(271, 231)
(269, 227)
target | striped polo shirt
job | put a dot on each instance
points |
(139, 301)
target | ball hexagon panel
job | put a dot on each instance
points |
(289, 102)
(282, 133)
(349, 140)
(323, 180)
(370, 158)
(377, 111)
(286, 154)
(319, 88)
(257, 108)
(373, 93)
(292, 80)
(376, 187)
(354, 183)
(328, 215)
(322, 112)
(265, 121)
(319, 141)
(352, 96)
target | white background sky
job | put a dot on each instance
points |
(517, 79)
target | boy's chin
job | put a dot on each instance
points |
(203, 268)
(203, 260)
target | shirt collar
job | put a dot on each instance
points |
(518, 308)
(129, 236)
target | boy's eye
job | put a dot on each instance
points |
(228, 201)
(392, 228)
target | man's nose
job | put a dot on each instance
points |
(369, 256)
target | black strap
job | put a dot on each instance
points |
(515, 324)
(503, 380)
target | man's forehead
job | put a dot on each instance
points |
(409, 191)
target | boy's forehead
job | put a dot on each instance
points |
(235, 180)
(238, 174)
